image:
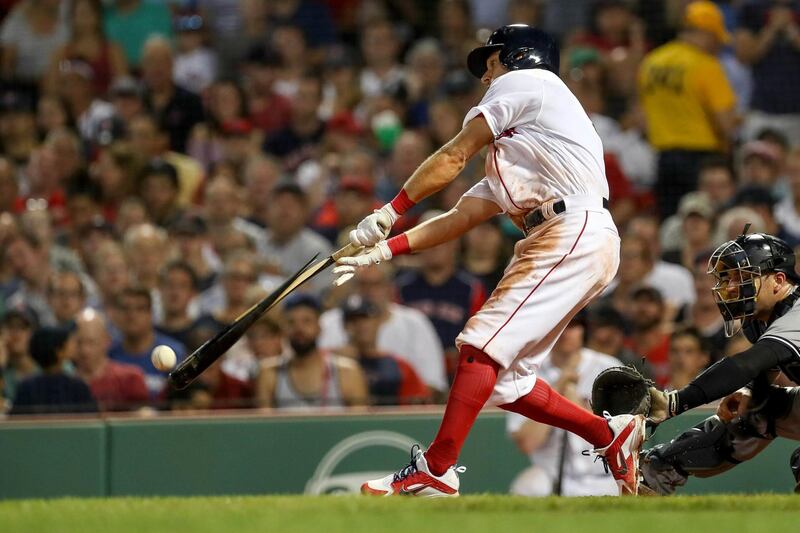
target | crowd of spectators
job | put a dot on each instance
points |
(164, 164)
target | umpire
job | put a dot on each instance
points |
(757, 292)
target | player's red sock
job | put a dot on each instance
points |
(473, 384)
(547, 406)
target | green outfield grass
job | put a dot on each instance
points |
(329, 514)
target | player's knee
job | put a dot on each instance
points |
(469, 355)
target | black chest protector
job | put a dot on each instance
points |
(754, 329)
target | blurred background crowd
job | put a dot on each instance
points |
(164, 165)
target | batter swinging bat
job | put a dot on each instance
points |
(194, 365)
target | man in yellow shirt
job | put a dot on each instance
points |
(688, 102)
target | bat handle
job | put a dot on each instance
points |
(347, 251)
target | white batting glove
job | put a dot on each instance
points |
(347, 266)
(375, 227)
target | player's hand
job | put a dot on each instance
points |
(659, 406)
(375, 227)
(734, 405)
(346, 266)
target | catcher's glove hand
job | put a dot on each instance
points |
(621, 390)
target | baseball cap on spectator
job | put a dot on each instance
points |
(344, 122)
(189, 22)
(752, 195)
(583, 55)
(46, 342)
(695, 203)
(263, 55)
(763, 149)
(361, 184)
(19, 315)
(302, 299)
(706, 16)
(78, 67)
(125, 86)
(189, 226)
(237, 127)
(356, 306)
(289, 187)
(648, 293)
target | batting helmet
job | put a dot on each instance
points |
(521, 47)
(738, 263)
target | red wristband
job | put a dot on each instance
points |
(399, 245)
(402, 202)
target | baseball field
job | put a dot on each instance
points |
(329, 514)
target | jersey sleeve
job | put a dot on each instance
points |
(512, 99)
(715, 87)
(483, 190)
(786, 331)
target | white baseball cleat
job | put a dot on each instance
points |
(621, 456)
(416, 480)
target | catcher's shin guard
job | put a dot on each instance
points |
(794, 463)
(703, 448)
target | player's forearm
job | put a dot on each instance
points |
(728, 375)
(436, 172)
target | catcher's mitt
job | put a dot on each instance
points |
(621, 390)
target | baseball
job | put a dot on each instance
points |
(163, 358)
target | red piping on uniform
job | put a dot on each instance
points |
(497, 168)
(586, 218)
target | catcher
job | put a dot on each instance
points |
(756, 291)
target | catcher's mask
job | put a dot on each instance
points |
(738, 265)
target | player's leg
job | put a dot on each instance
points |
(433, 473)
(713, 446)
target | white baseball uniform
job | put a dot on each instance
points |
(545, 149)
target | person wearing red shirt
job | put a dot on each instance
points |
(650, 338)
(115, 386)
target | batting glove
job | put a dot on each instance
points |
(375, 227)
(347, 266)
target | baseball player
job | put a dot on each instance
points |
(756, 292)
(544, 169)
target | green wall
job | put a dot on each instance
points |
(256, 455)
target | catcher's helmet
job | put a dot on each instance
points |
(737, 264)
(521, 47)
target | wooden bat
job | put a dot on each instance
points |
(211, 350)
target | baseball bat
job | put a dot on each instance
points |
(211, 350)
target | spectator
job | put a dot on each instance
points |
(146, 250)
(88, 43)
(697, 224)
(138, 337)
(29, 36)
(292, 47)
(223, 209)
(558, 466)
(115, 172)
(159, 189)
(650, 336)
(133, 22)
(16, 327)
(112, 274)
(53, 391)
(260, 174)
(689, 355)
(29, 262)
(190, 235)
(9, 188)
(761, 164)
(178, 288)
(310, 376)
(116, 386)
(195, 63)
(269, 111)
(66, 295)
(391, 380)
(606, 334)
(176, 109)
(342, 89)
(226, 105)
(768, 39)
(787, 212)
(126, 94)
(289, 243)
(51, 114)
(214, 389)
(380, 47)
(75, 80)
(446, 295)
(404, 332)
(299, 140)
(716, 179)
(312, 18)
(762, 200)
(688, 102)
(353, 200)
(704, 316)
(485, 253)
(425, 79)
(18, 134)
(266, 337)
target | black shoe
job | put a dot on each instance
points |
(794, 464)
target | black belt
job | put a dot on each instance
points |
(536, 217)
